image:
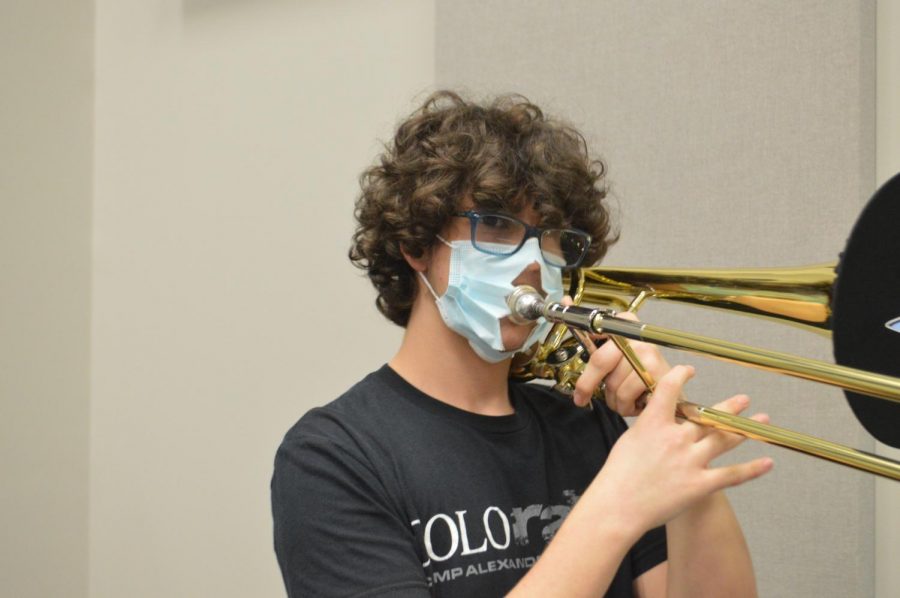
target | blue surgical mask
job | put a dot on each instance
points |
(477, 287)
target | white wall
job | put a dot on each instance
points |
(229, 137)
(46, 95)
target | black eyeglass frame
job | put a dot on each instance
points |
(530, 231)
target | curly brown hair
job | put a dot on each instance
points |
(500, 155)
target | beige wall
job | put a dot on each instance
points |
(738, 135)
(46, 95)
(227, 140)
(887, 164)
(229, 136)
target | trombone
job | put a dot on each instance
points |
(798, 296)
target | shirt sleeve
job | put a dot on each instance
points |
(336, 531)
(649, 551)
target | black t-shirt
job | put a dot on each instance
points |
(389, 492)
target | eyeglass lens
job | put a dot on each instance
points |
(560, 247)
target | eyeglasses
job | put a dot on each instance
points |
(498, 234)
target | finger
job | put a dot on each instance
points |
(627, 395)
(627, 315)
(616, 377)
(649, 359)
(661, 406)
(733, 405)
(736, 404)
(622, 370)
(734, 475)
(603, 361)
(718, 442)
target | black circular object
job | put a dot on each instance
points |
(866, 307)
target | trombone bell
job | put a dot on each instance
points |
(797, 296)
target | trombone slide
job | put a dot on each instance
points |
(526, 304)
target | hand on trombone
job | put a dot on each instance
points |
(664, 467)
(654, 443)
(659, 473)
(622, 388)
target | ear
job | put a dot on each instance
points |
(419, 264)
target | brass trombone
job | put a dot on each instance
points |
(798, 296)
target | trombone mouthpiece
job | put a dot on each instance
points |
(525, 304)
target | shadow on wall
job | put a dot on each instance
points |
(196, 8)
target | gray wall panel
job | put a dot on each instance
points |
(737, 135)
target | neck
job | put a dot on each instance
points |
(441, 364)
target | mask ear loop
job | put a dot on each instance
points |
(425, 279)
(428, 284)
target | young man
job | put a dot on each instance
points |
(436, 475)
